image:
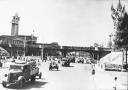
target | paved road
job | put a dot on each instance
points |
(122, 77)
(76, 77)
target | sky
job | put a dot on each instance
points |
(68, 22)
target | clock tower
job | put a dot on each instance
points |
(15, 25)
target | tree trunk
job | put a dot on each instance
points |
(126, 58)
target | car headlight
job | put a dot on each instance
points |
(5, 75)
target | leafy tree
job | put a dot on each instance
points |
(96, 45)
(121, 37)
(120, 19)
(101, 45)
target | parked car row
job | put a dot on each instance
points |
(113, 67)
(67, 60)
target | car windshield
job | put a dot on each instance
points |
(15, 67)
(64, 60)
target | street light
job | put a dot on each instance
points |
(11, 49)
(24, 45)
(17, 53)
(110, 42)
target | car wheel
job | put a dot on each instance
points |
(40, 75)
(57, 68)
(33, 78)
(49, 68)
(4, 84)
(21, 83)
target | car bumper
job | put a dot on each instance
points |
(9, 84)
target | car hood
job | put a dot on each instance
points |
(15, 71)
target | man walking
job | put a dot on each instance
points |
(93, 69)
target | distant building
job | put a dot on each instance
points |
(16, 44)
(25, 45)
(21, 45)
(51, 49)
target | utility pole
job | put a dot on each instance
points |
(10, 49)
(25, 46)
(110, 41)
(126, 59)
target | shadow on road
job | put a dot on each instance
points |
(112, 70)
(37, 84)
(30, 85)
(54, 70)
(67, 66)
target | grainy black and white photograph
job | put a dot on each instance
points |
(64, 44)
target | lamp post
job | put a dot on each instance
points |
(10, 49)
(17, 53)
(110, 40)
(24, 45)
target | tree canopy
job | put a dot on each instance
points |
(121, 37)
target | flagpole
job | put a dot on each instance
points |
(32, 35)
(11, 49)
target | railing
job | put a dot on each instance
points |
(85, 48)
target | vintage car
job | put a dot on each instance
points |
(88, 61)
(116, 67)
(80, 60)
(125, 66)
(21, 72)
(65, 62)
(72, 59)
(53, 65)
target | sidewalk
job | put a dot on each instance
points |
(104, 81)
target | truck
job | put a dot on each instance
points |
(21, 72)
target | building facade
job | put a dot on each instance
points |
(20, 45)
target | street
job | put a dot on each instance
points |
(76, 77)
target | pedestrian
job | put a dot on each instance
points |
(93, 69)
(0, 63)
(115, 87)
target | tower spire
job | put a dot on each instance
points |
(119, 6)
(119, 2)
(117, 13)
